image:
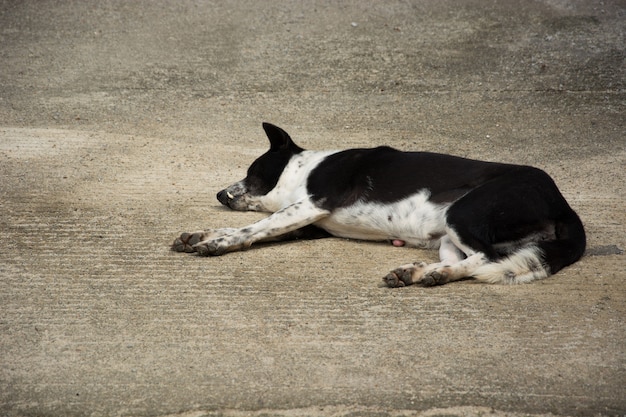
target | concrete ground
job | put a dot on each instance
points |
(119, 121)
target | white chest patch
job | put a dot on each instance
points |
(415, 220)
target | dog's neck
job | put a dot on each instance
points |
(292, 184)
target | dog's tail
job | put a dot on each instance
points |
(541, 259)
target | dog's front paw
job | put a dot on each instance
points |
(214, 247)
(405, 275)
(186, 241)
(219, 246)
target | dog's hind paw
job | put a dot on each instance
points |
(404, 275)
(436, 277)
(393, 280)
(186, 241)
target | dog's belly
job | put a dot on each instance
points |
(414, 220)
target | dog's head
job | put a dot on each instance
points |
(263, 174)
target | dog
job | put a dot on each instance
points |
(492, 222)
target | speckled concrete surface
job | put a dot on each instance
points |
(119, 121)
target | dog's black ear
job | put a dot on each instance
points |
(279, 139)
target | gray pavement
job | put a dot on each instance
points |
(119, 121)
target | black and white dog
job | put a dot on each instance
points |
(492, 222)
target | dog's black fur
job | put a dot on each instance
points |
(494, 222)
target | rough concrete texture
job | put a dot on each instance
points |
(119, 121)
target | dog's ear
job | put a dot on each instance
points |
(279, 139)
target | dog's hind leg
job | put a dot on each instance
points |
(520, 224)
(453, 266)
(414, 272)
(457, 262)
(442, 273)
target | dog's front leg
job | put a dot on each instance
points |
(284, 221)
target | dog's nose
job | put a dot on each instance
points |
(222, 197)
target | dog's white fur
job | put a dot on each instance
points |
(415, 220)
(291, 186)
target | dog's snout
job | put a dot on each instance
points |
(234, 196)
(223, 197)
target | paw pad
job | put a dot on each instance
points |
(393, 281)
(434, 278)
(186, 242)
